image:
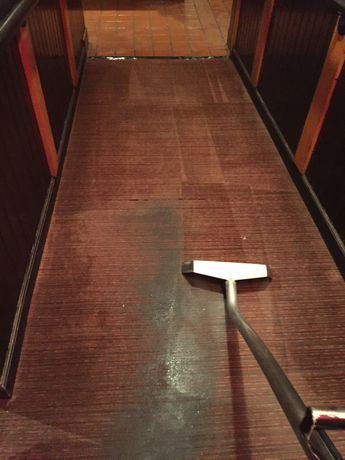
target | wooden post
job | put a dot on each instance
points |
(233, 27)
(330, 72)
(265, 22)
(28, 59)
(68, 42)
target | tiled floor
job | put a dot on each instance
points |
(157, 27)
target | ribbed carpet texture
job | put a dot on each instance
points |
(123, 357)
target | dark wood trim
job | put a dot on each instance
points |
(234, 21)
(265, 22)
(319, 215)
(33, 81)
(68, 42)
(7, 378)
(71, 108)
(330, 72)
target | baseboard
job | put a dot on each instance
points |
(328, 232)
(7, 378)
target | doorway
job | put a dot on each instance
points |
(157, 28)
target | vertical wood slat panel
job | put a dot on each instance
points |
(34, 85)
(24, 180)
(264, 27)
(248, 29)
(75, 14)
(297, 45)
(327, 165)
(323, 94)
(48, 41)
(234, 21)
(68, 42)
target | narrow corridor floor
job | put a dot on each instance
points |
(123, 357)
(157, 27)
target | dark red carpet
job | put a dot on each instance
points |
(125, 359)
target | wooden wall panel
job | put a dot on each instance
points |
(24, 180)
(326, 170)
(297, 45)
(76, 20)
(324, 91)
(5, 7)
(29, 64)
(248, 28)
(47, 37)
(264, 28)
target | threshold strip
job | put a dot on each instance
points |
(133, 58)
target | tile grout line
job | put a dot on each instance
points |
(216, 20)
(201, 24)
(195, 21)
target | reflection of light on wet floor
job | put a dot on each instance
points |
(183, 373)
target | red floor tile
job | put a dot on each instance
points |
(156, 28)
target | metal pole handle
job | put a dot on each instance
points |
(315, 443)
